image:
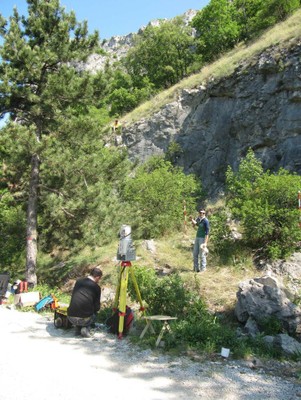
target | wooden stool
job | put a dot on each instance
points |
(165, 327)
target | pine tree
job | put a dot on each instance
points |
(40, 83)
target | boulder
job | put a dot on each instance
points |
(288, 345)
(263, 298)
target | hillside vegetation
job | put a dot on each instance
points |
(61, 186)
(65, 191)
(283, 36)
(173, 254)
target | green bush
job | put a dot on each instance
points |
(156, 194)
(166, 295)
(146, 279)
(196, 326)
(220, 235)
(266, 204)
(170, 297)
(203, 330)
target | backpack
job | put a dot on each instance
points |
(20, 287)
(113, 321)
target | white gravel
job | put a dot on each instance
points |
(40, 362)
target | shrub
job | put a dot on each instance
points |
(196, 326)
(166, 295)
(266, 204)
(156, 194)
(202, 330)
(220, 234)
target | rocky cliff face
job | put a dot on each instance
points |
(258, 107)
(117, 47)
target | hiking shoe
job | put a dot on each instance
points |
(85, 332)
(203, 269)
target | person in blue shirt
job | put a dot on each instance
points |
(200, 249)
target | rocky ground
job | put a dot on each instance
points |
(42, 362)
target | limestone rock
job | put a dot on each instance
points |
(257, 107)
(117, 47)
(262, 298)
(288, 345)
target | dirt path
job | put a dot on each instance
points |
(39, 362)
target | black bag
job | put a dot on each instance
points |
(4, 280)
(113, 321)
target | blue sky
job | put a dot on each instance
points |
(115, 17)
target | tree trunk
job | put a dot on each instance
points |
(31, 229)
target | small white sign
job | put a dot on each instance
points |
(225, 352)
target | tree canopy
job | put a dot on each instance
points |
(223, 23)
(217, 28)
(162, 53)
(40, 86)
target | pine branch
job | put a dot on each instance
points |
(67, 212)
(52, 190)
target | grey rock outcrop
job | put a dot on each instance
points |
(285, 343)
(258, 107)
(262, 298)
(291, 269)
(117, 47)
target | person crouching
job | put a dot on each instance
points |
(85, 302)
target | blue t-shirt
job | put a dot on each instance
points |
(203, 227)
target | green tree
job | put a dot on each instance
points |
(162, 53)
(246, 16)
(12, 222)
(156, 194)
(126, 93)
(79, 188)
(266, 205)
(274, 11)
(122, 101)
(255, 15)
(40, 83)
(117, 92)
(217, 28)
(242, 181)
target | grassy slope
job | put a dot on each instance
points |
(283, 35)
(217, 286)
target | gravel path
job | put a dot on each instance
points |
(39, 362)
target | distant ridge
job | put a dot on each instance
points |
(117, 46)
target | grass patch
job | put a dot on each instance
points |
(203, 302)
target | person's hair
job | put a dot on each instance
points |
(96, 272)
